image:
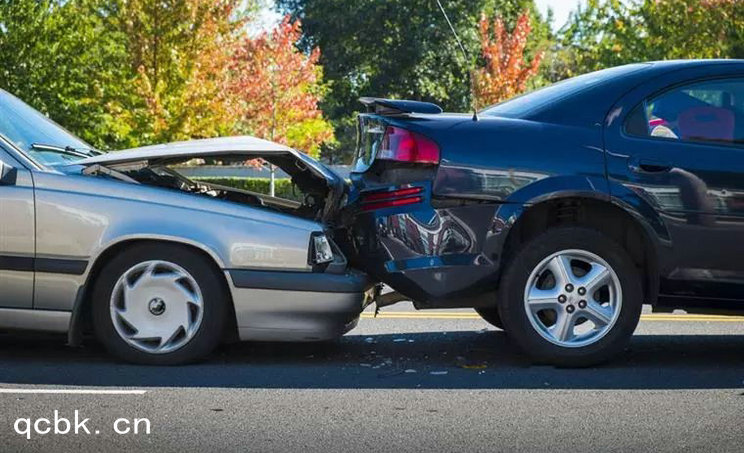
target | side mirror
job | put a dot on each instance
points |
(8, 174)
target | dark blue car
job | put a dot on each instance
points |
(557, 214)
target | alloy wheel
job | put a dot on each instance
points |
(573, 298)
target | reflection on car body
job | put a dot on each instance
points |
(581, 201)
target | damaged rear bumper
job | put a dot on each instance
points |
(437, 257)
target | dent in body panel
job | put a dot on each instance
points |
(427, 254)
(449, 256)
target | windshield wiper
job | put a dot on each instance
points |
(68, 150)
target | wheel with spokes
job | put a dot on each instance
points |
(571, 297)
(161, 305)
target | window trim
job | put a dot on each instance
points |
(624, 133)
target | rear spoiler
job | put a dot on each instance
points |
(382, 106)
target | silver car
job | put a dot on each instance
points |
(160, 267)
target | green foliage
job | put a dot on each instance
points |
(396, 48)
(178, 54)
(64, 59)
(123, 73)
(283, 186)
(608, 33)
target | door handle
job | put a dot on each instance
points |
(649, 166)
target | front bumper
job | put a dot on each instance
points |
(297, 306)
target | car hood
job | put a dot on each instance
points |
(223, 146)
(188, 150)
(251, 147)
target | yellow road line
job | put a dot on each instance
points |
(646, 317)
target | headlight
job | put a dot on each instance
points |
(321, 249)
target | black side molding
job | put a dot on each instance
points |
(382, 106)
(320, 282)
(16, 263)
(56, 266)
(50, 265)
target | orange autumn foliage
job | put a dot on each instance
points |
(506, 71)
(278, 89)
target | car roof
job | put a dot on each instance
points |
(590, 106)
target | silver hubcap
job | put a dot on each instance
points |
(156, 307)
(573, 298)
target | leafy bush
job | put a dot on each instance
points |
(282, 187)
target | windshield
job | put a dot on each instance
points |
(525, 104)
(24, 126)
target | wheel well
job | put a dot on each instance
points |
(599, 215)
(82, 312)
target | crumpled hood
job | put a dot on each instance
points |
(304, 170)
(188, 150)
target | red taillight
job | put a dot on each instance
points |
(405, 146)
(391, 203)
(392, 198)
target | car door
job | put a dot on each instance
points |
(681, 148)
(17, 238)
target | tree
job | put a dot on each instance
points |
(609, 33)
(179, 53)
(506, 72)
(694, 28)
(64, 59)
(123, 73)
(277, 89)
(396, 48)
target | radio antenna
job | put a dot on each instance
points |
(474, 102)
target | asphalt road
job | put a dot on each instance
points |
(406, 381)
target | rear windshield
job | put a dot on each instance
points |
(528, 103)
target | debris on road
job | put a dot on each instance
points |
(477, 366)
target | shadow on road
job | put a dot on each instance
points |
(431, 360)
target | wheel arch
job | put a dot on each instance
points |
(615, 219)
(80, 319)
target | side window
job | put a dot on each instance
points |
(710, 111)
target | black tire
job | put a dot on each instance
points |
(213, 291)
(514, 314)
(491, 316)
